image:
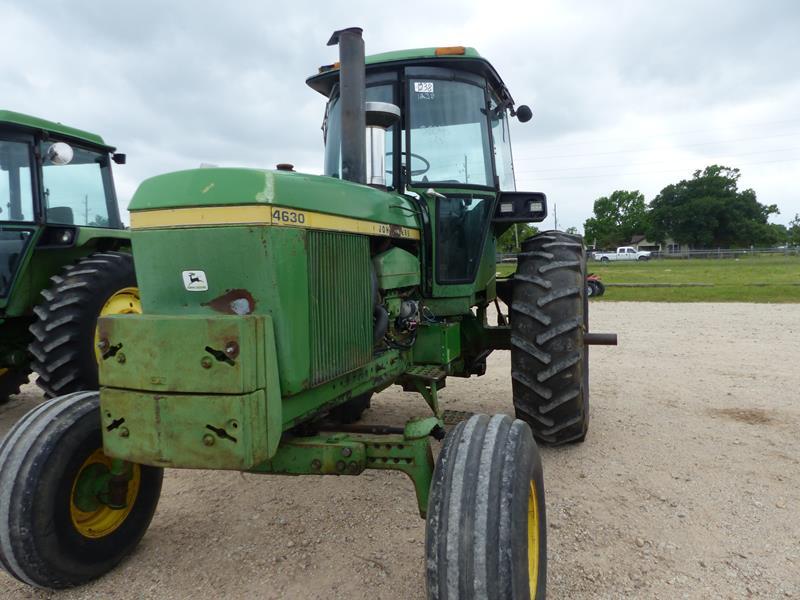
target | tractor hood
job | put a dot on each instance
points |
(229, 196)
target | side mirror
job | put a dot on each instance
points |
(119, 158)
(524, 113)
(60, 153)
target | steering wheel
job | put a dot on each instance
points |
(418, 171)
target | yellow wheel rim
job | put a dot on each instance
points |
(3, 372)
(102, 521)
(533, 540)
(122, 302)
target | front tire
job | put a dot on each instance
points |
(56, 531)
(64, 348)
(549, 360)
(486, 533)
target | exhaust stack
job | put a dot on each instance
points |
(351, 99)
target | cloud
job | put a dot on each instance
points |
(180, 83)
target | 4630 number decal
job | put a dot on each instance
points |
(283, 215)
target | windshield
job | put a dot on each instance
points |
(449, 133)
(16, 198)
(80, 192)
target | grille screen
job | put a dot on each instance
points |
(340, 303)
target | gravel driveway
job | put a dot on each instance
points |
(687, 486)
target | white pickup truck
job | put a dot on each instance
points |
(622, 253)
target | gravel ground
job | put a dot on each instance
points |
(688, 485)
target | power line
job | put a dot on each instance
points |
(763, 162)
(654, 162)
(650, 149)
(682, 132)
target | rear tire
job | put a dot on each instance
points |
(604, 259)
(63, 347)
(44, 542)
(549, 360)
(486, 532)
(10, 381)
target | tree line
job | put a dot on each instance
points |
(706, 211)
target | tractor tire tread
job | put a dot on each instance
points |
(63, 334)
(549, 359)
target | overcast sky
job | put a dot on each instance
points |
(625, 95)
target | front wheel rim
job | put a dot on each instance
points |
(533, 540)
(99, 520)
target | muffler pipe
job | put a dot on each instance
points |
(351, 102)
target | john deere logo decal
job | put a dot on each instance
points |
(195, 281)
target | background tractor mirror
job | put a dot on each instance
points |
(524, 113)
(60, 153)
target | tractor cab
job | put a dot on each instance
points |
(449, 145)
(53, 180)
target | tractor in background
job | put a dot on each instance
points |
(271, 298)
(64, 253)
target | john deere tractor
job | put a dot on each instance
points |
(64, 255)
(272, 299)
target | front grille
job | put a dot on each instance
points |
(340, 303)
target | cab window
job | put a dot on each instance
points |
(16, 197)
(461, 223)
(78, 193)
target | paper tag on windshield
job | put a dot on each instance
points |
(423, 87)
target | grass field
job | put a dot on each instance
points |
(750, 279)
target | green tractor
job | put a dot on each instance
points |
(64, 253)
(273, 301)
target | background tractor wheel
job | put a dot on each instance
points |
(56, 530)
(549, 316)
(350, 411)
(599, 287)
(64, 347)
(10, 380)
(486, 533)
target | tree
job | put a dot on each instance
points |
(572, 230)
(794, 231)
(617, 218)
(511, 240)
(710, 211)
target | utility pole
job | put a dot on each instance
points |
(555, 216)
(86, 209)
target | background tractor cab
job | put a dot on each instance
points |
(449, 147)
(57, 205)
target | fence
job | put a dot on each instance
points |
(727, 253)
(688, 254)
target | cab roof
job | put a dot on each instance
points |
(8, 117)
(454, 57)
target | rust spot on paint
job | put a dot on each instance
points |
(233, 302)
